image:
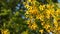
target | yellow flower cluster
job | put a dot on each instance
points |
(32, 10)
(48, 16)
(33, 26)
(50, 6)
(39, 16)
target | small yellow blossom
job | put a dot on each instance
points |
(42, 23)
(46, 26)
(58, 28)
(33, 10)
(55, 23)
(41, 31)
(41, 7)
(57, 12)
(33, 26)
(5, 31)
(48, 30)
(31, 0)
(27, 12)
(48, 11)
(49, 6)
(41, 17)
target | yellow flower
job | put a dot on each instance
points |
(49, 6)
(37, 16)
(42, 23)
(55, 22)
(52, 11)
(48, 11)
(33, 10)
(31, 0)
(46, 26)
(41, 7)
(41, 31)
(26, 5)
(58, 28)
(48, 30)
(57, 12)
(48, 16)
(26, 12)
(33, 26)
(5, 31)
(40, 16)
